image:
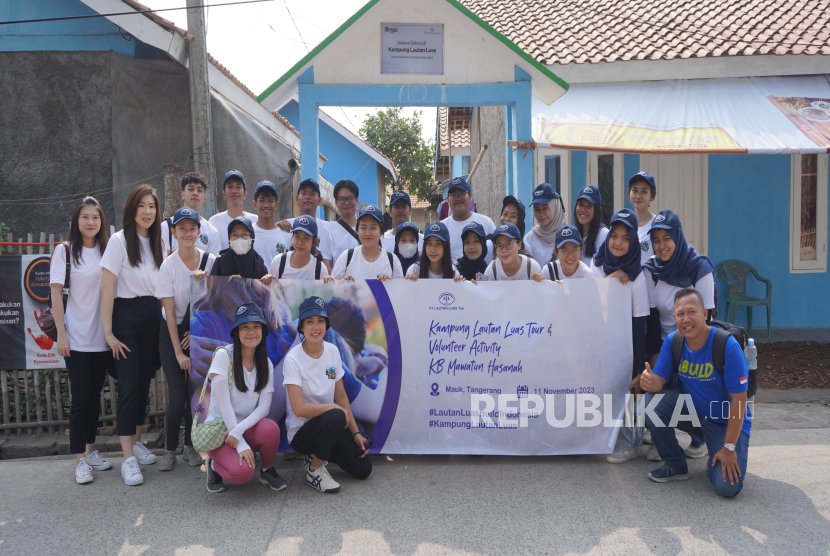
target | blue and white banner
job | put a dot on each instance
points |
(437, 367)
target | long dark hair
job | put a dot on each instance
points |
(590, 239)
(260, 360)
(448, 271)
(131, 235)
(76, 238)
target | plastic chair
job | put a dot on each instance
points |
(734, 273)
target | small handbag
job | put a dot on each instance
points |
(210, 436)
(46, 319)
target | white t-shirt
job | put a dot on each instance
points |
(646, 249)
(209, 239)
(455, 228)
(415, 268)
(82, 318)
(291, 273)
(317, 378)
(243, 403)
(270, 243)
(174, 281)
(601, 235)
(388, 241)
(359, 268)
(132, 282)
(661, 296)
(640, 298)
(540, 251)
(582, 271)
(495, 267)
(323, 236)
(339, 240)
(220, 222)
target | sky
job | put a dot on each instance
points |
(259, 42)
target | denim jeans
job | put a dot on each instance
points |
(713, 434)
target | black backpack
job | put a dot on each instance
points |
(389, 255)
(722, 334)
(317, 268)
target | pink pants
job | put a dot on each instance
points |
(263, 437)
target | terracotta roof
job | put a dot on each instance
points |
(160, 21)
(231, 76)
(566, 31)
(453, 128)
(284, 122)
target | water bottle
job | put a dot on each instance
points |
(751, 354)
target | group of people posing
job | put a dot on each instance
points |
(129, 310)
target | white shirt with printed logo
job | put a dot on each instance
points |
(360, 268)
(661, 297)
(456, 228)
(174, 281)
(316, 377)
(496, 268)
(209, 239)
(646, 249)
(270, 243)
(339, 240)
(322, 235)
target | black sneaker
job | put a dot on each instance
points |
(214, 480)
(666, 474)
(271, 478)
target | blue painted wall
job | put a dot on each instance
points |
(579, 164)
(749, 219)
(346, 161)
(94, 34)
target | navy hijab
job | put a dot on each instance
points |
(686, 266)
(628, 263)
(406, 226)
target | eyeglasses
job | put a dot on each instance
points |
(506, 246)
(349, 199)
(457, 194)
(246, 235)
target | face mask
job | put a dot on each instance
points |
(241, 246)
(408, 250)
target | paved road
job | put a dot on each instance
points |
(441, 505)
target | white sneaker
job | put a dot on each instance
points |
(131, 472)
(143, 454)
(83, 473)
(647, 437)
(307, 462)
(95, 462)
(321, 480)
(621, 456)
(697, 452)
(653, 454)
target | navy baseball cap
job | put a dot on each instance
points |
(666, 219)
(186, 213)
(475, 228)
(567, 234)
(507, 229)
(250, 312)
(373, 211)
(241, 220)
(591, 194)
(305, 224)
(439, 230)
(309, 183)
(643, 176)
(400, 196)
(234, 174)
(266, 185)
(627, 217)
(314, 306)
(511, 200)
(459, 183)
(544, 194)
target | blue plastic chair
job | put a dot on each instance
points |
(734, 273)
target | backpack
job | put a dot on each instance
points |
(723, 331)
(495, 274)
(282, 267)
(554, 271)
(388, 254)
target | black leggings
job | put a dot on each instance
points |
(178, 391)
(87, 371)
(135, 322)
(326, 437)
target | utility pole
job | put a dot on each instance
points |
(202, 124)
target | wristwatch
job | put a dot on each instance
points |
(730, 447)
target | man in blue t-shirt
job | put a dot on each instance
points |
(719, 401)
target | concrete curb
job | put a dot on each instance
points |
(796, 395)
(54, 444)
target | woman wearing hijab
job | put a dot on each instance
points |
(407, 237)
(240, 259)
(475, 259)
(549, 212)
(619, 257)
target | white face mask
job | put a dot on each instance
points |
(408, 250)
(241, 246)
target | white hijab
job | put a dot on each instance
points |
(547, 234)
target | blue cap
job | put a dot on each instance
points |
(241, 220)
(234, 174)
(459, 183)
(407, 226)
(373, 211)
(439, 230)
(475, 228)
(314, 306)
(305, 224)
(591, 194)
(507, 229)
(309, 183)
(544, 194)
(186, 213)
(250, 312)
(567, 234)
(511, 200)
(626, 216)
(643, 176)
(266, 185)
(666, 219)
(398, 196)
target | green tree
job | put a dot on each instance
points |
(399, 139)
